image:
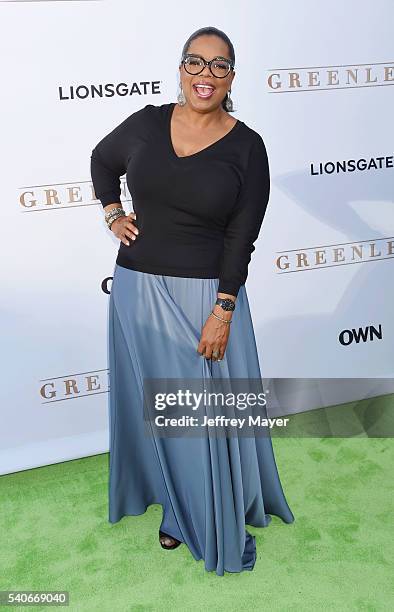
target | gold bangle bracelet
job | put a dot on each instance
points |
(220, 318)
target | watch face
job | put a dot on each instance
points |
(226, 303)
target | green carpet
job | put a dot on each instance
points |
(337, 555)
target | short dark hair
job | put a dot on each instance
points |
(211, 31)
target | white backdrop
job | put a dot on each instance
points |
(314, 79)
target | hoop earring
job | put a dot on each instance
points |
(229, 102)
(181, 97)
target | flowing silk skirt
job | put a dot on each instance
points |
(209, 488)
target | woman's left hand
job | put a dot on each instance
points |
(214, 337)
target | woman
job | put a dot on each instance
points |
(199, 181)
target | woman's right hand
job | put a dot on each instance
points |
(124, 229)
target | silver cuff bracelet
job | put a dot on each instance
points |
(113, 214)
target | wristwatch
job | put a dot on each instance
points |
(226, 303)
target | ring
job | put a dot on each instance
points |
(215, 353)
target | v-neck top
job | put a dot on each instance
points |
(198, 215)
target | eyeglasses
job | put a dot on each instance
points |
(219, 66)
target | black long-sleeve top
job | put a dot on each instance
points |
(199, 215)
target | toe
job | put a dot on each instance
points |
(167, 540)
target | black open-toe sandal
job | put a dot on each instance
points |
(163, 545)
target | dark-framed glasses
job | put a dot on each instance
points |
(219, 66)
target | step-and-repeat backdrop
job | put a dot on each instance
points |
(314, 79)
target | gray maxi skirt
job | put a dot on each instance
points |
(209, 489)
